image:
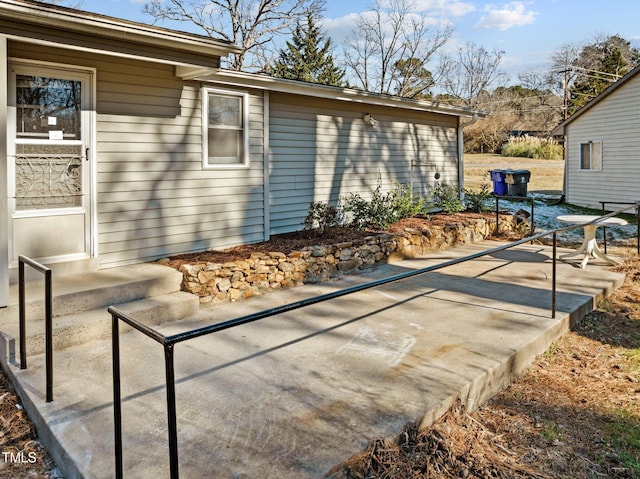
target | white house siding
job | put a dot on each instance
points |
(153, 197)
(615, 121)
(321, 150)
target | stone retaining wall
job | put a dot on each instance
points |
(262, 272)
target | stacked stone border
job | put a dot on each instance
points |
(263, 272)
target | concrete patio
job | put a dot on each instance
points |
(293, 395)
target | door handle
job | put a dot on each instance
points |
(86, 154)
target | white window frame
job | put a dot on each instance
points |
(592, 144)
(244, 161)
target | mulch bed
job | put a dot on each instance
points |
(288, 242)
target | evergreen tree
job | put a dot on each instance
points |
(308, 58)
(412, 78)
(603, 63)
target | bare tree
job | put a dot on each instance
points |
(469, 73)
(250, 24)
(386, 37)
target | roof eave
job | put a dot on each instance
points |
(267, 82)
(109, 27)
(559, 130)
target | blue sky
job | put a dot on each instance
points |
(528, 31)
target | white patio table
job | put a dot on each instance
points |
(589, 245)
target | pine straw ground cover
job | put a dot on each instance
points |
(574, 414)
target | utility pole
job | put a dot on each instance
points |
(565, 103)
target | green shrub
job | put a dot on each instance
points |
(378, 212)
(447, 198)
(384, 208)
(322, 217)
(533, 147)
(408, 203)
(477, 201)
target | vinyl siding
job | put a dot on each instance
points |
(322, 150)
(153, 197)
(616, 122)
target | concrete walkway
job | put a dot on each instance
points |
(291, 396)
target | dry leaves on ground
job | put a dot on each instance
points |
(21, 454)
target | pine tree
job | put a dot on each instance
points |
(605, 60)
(306, 58)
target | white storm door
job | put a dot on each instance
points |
(49, 169)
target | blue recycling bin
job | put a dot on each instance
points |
(499, 179)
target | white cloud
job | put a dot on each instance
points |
(511, 15)
(339, 28)
(444, 7)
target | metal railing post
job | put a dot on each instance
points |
(117, 394)
(48, 319)
(23, 316)
(497, 216)
(533, 222)
(171, 411)
(48, 333)
(553, 278)
(604, 228)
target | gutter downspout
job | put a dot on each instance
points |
(461, 126)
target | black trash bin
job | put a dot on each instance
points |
(498, 178)
(517, 181)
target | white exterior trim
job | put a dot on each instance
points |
(4, 206)
(266, 156)
(205, 129)
(265, 82)
(88, 118)
(110, 27)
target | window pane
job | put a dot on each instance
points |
(225, 111)
(585, 156)
(45, 105)
(225, 147)
(596, 155)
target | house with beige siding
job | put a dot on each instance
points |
(122, 143)
(602, 146)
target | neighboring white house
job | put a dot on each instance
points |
(602, 146)
(122, 142)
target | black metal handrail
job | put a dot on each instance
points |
(604, 228)
(168, 342)
(48, 318)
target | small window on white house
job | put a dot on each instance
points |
(591, 155)
(225, 129)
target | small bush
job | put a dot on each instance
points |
(322, 217)
(379, 212)
(408, 203)
(533, 147)
(447, 198)
(477, 201)
(384, 208)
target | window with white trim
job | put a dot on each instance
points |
(591, 155)
(226, 129)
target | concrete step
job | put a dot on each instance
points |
(93, 290)
(78, 328)
(149, 292)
